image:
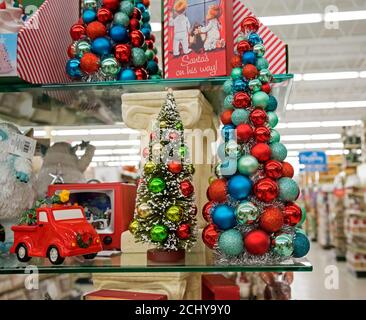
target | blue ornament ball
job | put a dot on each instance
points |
(141, 7)
(279, 151)
(152, 67)
(254, 39)
(89, 16)
(239, 187)
(262, 63)
(231, 242)
(138, 57)
(228, 132)
(249, 57)
(240, 85)
(146, 32)
(240, 116)
(73, 69)
(228, 86)
(101, 46)
(272, 104)
(289, 190)
(228, 102)
(228, 167)
(127, 74)
(127, 7)
(146, 16)
(119, 34)
(301, 245)
(146, 25)
(223, 216)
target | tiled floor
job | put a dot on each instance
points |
(327, 272)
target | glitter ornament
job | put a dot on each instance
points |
(228, 86)
(292, 214)
(278, 151)
(217, 190)
(89, 63)
(156, 185)
(239, 116)
(184, 231)
(134, 226)
(239, 187)
(159, 233)
(257, 242)
(223, 217)
(231, 242)
(261, 151)
(236, 73)
(289, 190)
(236, 61)
(272, 103)
(246, 212)
(210, 235)
(240, 85)
(174, 213)
(127, 8)
(266, 190)
(250, 72)
(271, 220)
(273, 169)
(96, 30)
(287, 170)
(262, 63)
(248, 165)
(283, 245)
(228, 102)
(138, 57)
(144, 211)
(226, 117)
(301, 245)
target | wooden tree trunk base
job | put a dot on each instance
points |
(159, 257)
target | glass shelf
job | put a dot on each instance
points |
(92, 103)
(137, 262)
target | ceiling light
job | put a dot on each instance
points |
(345, 16)
(317, 124)
(312, 146)
(116, 158)
(107, 152)
(331, 76)
(327, 105)
(155, 26)
(122, 163)
(309, 137)
(39, 133)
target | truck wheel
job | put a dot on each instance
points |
(54, 256)
(22, 253)
(89, 256)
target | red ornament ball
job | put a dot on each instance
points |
(194, 210)
(210, 236)
(266, 87)
(137, 38)
(273, 169)
(77, 31)
(152, 38)
(292, 214)
(258, 117)
(184, 231)
(236, 62)
(156, 59)
(206, 211)
(71, 52)
(262, 134)
(250, 71)
(136, 13)
(243, 46)
(89, 63)
(266, 190)
(257, 242)
(241, 100)
(271, 220)
(122, 52)
(175, 167)
(141, 74)
(186, 188)
(287, 170)
(104, 15)
(261, 151)
(244, 132)
(150, 44)
(111, 4)
(249, 24)
(217, 191)
(95, 30)
(226, 117)
(146, 3)
(134, 24)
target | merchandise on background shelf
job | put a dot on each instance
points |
(165, 214)
(324, 197)
(123, 295)
(113, 40)
(199, 38)
(252, 214)
(61, 164)
(108, 207)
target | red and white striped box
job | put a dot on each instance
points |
(276, 53)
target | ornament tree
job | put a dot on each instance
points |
(113, 40)
(252, 214)
(165, 212)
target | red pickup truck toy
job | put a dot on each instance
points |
(61, 231)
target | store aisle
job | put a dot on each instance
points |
(313, 285)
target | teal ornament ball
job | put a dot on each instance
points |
(232, 149)
(283, 245)
(223, 216)
(255, 85)
(275, 136)
(127, 8)
(259, 49)
(236, 73)
(138, 57)
(289, 190)
(239, 116)
(260, 99)
(301, 245)
(149, 54)
(228, 102)
(262, 63)
(279, 151)
(265, 75)
(272, 104)
(231, 243)
(122, 19)
(110, 67)
(248, 165)
(82, 47)
(228, 86)
(246, 212)
(299, 230)
(272, 119)
(228, 168)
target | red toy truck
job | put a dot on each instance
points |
(109, 207)
(61, 231)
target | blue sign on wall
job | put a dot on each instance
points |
(313, 161)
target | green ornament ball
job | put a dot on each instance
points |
(284, 245)
(149, 54)
(228, 86)
(236, 73)
(248, 165)
(240, 116)
(231, 242)
(90, 4)
(144, 46)
(120, 18)
(138, 57)
(303, 217)
(183, 151)
(259, 49)
(127, 8)
(155, 77)
(272, 119)
(262, 63)
(279, 151)
(155, 49)
(265, 75)
(255, 85)
(156, 185)
(246, 212)
(275, 136)
(179, 126)
(228, 102)
(82, 47)
(260, 99)
(110, 67)
(159, 233)
(289, 190)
